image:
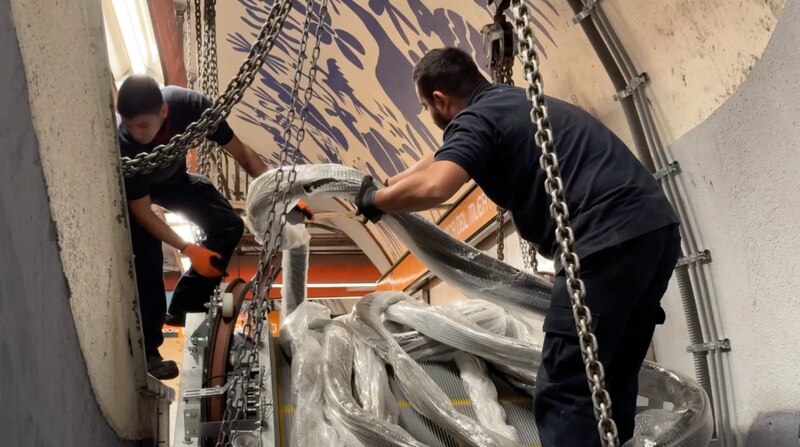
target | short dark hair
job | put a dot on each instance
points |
(448, 70)
(139, 95)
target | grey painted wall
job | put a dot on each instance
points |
(741, 169)
(45, 395)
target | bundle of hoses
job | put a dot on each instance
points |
(390, 328)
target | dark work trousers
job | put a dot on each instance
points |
(624, 286)
(198, 201)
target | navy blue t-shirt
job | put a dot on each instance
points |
(185, 107)
(612, 198)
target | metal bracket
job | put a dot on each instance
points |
(499, 42)
(723, 345)
(634, 83)
(704, 257)
(199, 338)
(586, 11)
(671, 169)
(170, 333)
(207, 392)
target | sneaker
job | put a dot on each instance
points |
(175, 320)
(162, 369)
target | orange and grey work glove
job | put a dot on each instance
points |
(204, 261)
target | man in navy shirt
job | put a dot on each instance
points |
(626, 231)
(150, 116)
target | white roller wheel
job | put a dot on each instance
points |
(227, 305)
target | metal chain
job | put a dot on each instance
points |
(241, 374)
(204, 151)
(187, 44)
(595, 374)
(213, 151)
(529, 261)
(179, 144)
(501, 72)
(267, 260)
(198, 41)
(500, 237)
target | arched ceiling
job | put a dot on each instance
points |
(365, 113)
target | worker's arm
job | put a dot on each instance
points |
(247, 158)
(423, 164)
(144, 215)
(423, 189)
(204, 261)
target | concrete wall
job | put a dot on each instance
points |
(46, 395)
(73, 250)
(741, 167)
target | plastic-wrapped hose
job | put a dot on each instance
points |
(421, 391)
(463, 335)
(371, 383)
(295, 277)
(309, 427)
(688, 424)
(470, 270)
(337, 370)
(483, 395)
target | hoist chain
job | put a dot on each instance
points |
(187, 43)
(500, 237)
(529, 261)
(564, 235)
(198, 40)
(211, 89)
(179, 144)
(267, 264)
(501, 70)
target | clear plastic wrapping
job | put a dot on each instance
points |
(307, 315)
(470, 270)
(689, 423)
(260, 196)
(371, 383)
(337, 371)
(454, 330)
(419, 389)
(322, 368)
(483, 394)
(309, 428)
(295, 272)
(489, 316)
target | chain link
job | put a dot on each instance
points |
(198, 41)
(529, 261)
(595, 374)
(179, 144)
(501, 69)
(187, 44)
(500, 236)
(213, 151)
(268, 266)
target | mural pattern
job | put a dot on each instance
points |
(364, 112)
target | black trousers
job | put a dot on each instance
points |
(624, 286)
(197, 200)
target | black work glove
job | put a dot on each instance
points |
(365, 200)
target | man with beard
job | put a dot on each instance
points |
(626, 231)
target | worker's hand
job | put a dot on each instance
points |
(204, 261)
(365, 200)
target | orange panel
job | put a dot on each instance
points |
(169, 41)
